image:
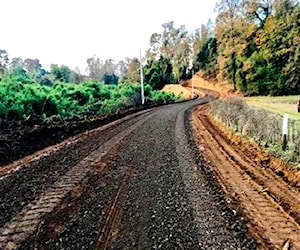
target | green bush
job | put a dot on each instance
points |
(21, 97)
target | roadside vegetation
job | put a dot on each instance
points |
(22, 98)
(259, 125)
(252, 45)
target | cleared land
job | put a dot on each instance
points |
(281, 105)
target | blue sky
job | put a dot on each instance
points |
(69, 31)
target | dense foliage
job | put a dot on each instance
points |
(255, 46)
(23, 98)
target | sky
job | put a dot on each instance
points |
(67, 32)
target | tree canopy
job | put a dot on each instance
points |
(252, 44)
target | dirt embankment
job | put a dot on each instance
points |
(259, 187)
(19, 139)
(223, 89)
(186, 89)
(178, 90)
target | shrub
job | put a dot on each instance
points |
(21, 97)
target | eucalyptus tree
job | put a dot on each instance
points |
(4, 62)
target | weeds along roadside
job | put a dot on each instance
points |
(21, 101)
(259, 125)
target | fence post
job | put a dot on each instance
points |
(285, 131)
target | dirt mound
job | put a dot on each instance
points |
(17, 141)
(185, 88)
(177, 89)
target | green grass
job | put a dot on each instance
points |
(281, 104)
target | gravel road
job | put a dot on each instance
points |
(138, 183)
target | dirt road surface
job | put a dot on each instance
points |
(136, 183)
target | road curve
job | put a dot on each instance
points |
(134, 184)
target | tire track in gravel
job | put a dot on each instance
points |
(259, 194)
(22, 181)
(169, 204)
(214, 232)
(28, 219)
(140, 189)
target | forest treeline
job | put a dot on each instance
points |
(255, 46)
(252, 44)
(32, 94)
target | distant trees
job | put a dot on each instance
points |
(95, 68)
(170, 50)
(32, 65)
(158, 72)
(99, 71)
(255, 46)
(133, 71)
(16, 62)
(60, 73)
(3, 62)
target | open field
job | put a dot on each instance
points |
(280, 104)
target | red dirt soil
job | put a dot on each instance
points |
(258, 186)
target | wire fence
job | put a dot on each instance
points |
(261, 125)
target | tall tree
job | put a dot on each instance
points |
(95, 68)
(155, 46)
(133, 74)
(205, 50)
(16, 62)
(182, 54)
(3, 62)
(232, 31)
(60, 73)
(174, 44)
(200, 36)
(206, 58)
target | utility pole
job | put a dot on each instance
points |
(193, 84)
(142, 79)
